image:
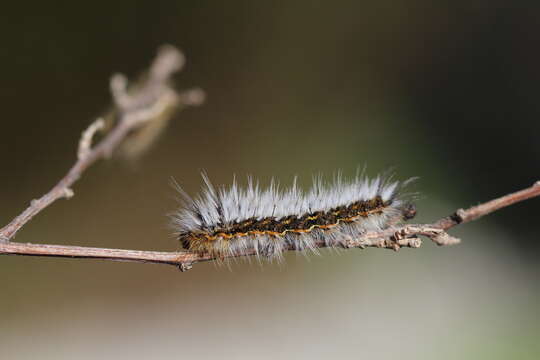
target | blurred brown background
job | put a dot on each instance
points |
(447, 91)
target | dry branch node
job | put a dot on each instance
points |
(459, 216)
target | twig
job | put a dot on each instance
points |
(135, 109)
(149, 101)
(475, 212)
(157, 257)
(393, 238)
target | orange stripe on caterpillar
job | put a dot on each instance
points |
(225, 236)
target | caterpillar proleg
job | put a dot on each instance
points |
(232, 221)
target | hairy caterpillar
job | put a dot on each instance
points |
(234, 221)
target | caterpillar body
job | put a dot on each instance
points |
(237, 221)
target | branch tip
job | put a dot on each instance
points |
(443, 239)
(193, 97)
(168, 61)
(85, 143)
(118, 83)
(68, 193)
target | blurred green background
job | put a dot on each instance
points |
(447, 91)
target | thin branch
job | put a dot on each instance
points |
(157, 257)
(135, 109)
(475, 212)
(393, 238)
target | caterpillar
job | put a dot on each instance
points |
(236, 221)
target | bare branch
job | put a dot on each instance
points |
(475, 212)
(142, 105)
(393, 238)
(172, 258)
